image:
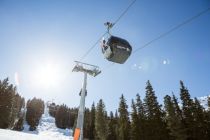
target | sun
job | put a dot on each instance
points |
(46, 76)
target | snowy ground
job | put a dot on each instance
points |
(45, 131)
(15, 135)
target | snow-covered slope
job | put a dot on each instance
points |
(15, 135)
(45, 131)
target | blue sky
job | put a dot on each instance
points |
(40, 39)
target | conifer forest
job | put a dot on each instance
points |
(178, 118)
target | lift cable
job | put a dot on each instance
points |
(173, 29)
(117, 20)
(167, 33)
(91, 48)
(126, 10)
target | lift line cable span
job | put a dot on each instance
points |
(166, 33)
(173, 29)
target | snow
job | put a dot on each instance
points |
(16, 135)
(46, 130)
(204, 101)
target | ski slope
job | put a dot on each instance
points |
(16, 135)
(46, 130)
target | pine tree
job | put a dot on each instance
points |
(35, 109)
(174, 122)
(116, 119)
(86, 128)
(73, 117)
(62, 117)
(112, 123)
(135, 135)
(7, 100)
(177, 109)
(200, 127)
(101, 127)
(180, 120)
(155, 116)
(92, 122)
(141, 117)
(16, 109)
(187, 110)
(52, 109)
(123, 123)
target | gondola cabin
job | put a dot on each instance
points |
(116, 49)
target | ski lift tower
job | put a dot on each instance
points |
(93, 71)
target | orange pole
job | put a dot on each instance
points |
(76, 134)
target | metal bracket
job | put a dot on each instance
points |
(109, 25)
(88, 68)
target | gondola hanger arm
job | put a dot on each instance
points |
(108, 25)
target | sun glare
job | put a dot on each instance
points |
(46, 76)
